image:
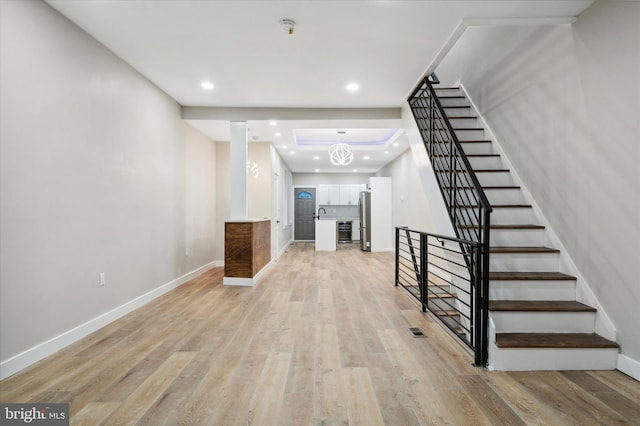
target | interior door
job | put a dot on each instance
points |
(304, 214)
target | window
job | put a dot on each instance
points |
(305, 195)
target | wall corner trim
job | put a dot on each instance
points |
(32, 355)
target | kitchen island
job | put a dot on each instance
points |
(326, 235)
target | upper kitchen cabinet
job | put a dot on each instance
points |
(343, 194)
(328, 194)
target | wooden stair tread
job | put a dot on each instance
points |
(462, 117)
(486, 170)
(539, 306)
(553, 340)
(451, 96)
(445, 313)
(458, 129)
(496, 206)
(475, 141)
(469, 155)
(533, 276)
(522, 249)
(492, 226)
(487, 187)
(436, 296)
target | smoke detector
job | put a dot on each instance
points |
(287, 25)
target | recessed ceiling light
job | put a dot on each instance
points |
(315, 157)
(355, 170)
(273, 123)
(366, 157)
(278, 135)
(207, 85)
(284, 147)
(292, 152)
(386, 152)
(396, 144)
(353, 87)
(317, 170)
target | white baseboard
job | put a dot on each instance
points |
(629, 366)
(239, 282)
(32, 355)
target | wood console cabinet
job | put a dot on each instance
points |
(247, 247)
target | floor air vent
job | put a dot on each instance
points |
(416, 332)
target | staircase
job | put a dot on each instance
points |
(535, 321)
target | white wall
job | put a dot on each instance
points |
(98, 174)
(417, 201)
(330, 178)
(564, 102)
(259, 189)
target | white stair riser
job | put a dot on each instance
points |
(477, 148)
(529, 262)
(448, 91)
(445, 102)
(470, 135)
(509, 359)
(504, 196)
(463, 123)
(494, 178)
(485, 162)
(532, 290)
(511, 216)
(517, 237)
(459, 112)
(544, 322)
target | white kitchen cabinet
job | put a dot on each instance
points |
(328, 195)
(334, 194)
(323, 195)
(343, 194)
(355, 230)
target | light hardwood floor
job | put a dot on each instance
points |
(322, 339)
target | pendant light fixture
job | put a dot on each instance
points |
(340, 154)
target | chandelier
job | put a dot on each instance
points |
(340, 154)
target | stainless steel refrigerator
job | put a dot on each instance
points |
(365, 220)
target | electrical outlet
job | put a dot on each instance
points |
(101, 279)
(186, 252)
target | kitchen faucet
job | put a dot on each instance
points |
(321, 208)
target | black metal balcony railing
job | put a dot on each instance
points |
(466, 202)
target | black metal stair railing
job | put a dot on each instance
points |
(466, 202)
(444, 275)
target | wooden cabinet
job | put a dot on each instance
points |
(247, 247)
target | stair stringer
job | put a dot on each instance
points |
(603, 324)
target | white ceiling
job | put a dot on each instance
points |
(385, 46)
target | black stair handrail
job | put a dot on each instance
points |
(467, 204)
(427, 266)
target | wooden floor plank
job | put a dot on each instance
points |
(362, 405)
(146, 394)
(94, 413)
(321, 339)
